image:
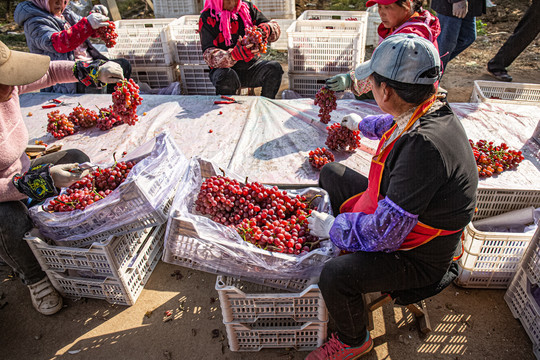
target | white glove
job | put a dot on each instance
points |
(319, 224)
(97, 20)
(351, 121)
(63, 178)
(110, 72)
(460, 9)
(101, 9)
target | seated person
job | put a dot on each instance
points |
(59, 33)
(233, 65)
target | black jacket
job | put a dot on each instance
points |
(476, 7)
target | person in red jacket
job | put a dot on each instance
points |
(397, 17)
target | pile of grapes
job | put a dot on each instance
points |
(83, 117)
(93, 187)
(320, 157)
(492, 159)
(326, 99)
(265, 217)
(255, 36)
(108, 34)
(126, 98)
(341, 138)
(59, 125)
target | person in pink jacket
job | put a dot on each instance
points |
(24, 181)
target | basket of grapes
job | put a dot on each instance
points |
(225, 224)
(132, 194)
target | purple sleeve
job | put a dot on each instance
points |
(384, 230)
(374, 126)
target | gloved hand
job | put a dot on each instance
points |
(242, 52)
(339, 82)
(351, 121)
(97, 20)
(101, 9)
(460, 9)
(63, 178)
(110, 72)
(319, 224)
(266, 29)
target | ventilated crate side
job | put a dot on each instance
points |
(372, 36)
(284, 9)
(336, 15)
(491, 202)
(176, 8)
(186, 40)
(195, 80)
(281, 43)
(156, 77)
(307, 85)
(531, 259)
(505, 93)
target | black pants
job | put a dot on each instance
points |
(15, 222)
(126, 67)
(255, 73)
(346, 278)
(525, 32)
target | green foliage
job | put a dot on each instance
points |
(481, 28)
(351, 5)
(15, 41)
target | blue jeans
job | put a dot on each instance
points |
(456, 35)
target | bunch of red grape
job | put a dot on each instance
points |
(108, 34)
(93, 187)
(341, 138)
(59, 125)
(266, 217)
(326, 99)
(491, 159)
(83, 117)
(125, 101)
(254, 36)
(320, 157)
(107, 119)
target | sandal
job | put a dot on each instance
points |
(45, 298)
(501, 75)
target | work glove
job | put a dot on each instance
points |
(351, 121)
(319, 224)
(63, 177)
(267, 30)
(242, 52)
(110, 72)
(339, 82)
(97, 20)
(101, 9)
(460, 9)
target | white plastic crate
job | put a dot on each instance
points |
(326, 46)
(307, 85)
(246, 302)
(156, 77)
(276, 333)
(372, 37)
(336, 15)
(505, 92)
(281, 43)
(283, 9)
(143, 42)
(127, 281)
(195, 80)
(184, 33)
(524, 306)
(176, 8)
(491, 202)
(531, 259)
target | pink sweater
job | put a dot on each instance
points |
(13, 132)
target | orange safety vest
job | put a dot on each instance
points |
(367, 201)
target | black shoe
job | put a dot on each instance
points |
(501, 75)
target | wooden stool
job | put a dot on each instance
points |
(419, 310)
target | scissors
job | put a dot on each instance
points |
(55, 103)
(82, 167)
(226, 100)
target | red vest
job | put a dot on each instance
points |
(367, 201)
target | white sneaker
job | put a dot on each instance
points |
(45, 298)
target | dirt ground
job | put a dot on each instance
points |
(467, 323)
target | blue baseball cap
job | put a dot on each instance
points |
(403, 58)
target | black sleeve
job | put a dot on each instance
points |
(256, 15)
(207, 32)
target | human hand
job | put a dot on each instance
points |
(351, 121)
(243, 52)
(319, 224)
(63, 177)
(460, 9)
(339, 82)
(110, 72)
(102, 9)
(97, 20)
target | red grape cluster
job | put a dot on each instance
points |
(107, 119)
(320, 157)
(341, 138)
(59, 124)
(254, 36)
(351, 19)
(83, 117)
(491, 159)
(266, 217)
(91, 188)
(326, 99)
(125, 101)
(108, 34)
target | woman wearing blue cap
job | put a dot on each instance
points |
(402, 224)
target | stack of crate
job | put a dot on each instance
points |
(322, 44)
(374, 20)
(177, 8)
(277, 9)
(523, 295)
(146, 45)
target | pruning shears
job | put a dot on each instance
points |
(54, 103)
(82, 167)
(226, 100)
